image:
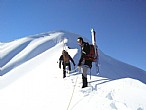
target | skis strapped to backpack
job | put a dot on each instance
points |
(95, 49)
(93, 53)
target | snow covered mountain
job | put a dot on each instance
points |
(30, 77)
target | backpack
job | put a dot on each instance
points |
(66, 57)
(92, 56)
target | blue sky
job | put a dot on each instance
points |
(120, 25)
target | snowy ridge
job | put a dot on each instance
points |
(22, 50)
(30, 78)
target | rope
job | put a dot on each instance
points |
(72, 94)
(90, 73)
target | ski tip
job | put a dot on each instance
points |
(92, 29)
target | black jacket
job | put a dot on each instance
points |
(85, 49)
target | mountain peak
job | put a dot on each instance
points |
(22, 50)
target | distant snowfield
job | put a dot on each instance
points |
(31, 78)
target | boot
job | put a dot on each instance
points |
(85, 83)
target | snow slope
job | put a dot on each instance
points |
(30, 78)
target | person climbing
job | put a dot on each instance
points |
(65, 58)
(84, 63)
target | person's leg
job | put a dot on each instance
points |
(64, 70)
(84, 76)
(69, 68)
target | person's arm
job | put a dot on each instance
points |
(60, 59)
(72, 60)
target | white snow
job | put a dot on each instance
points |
(31, 79)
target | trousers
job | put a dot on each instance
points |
(84, 70)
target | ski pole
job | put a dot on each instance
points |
(90, 73)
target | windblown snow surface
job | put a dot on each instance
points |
(31, 79)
